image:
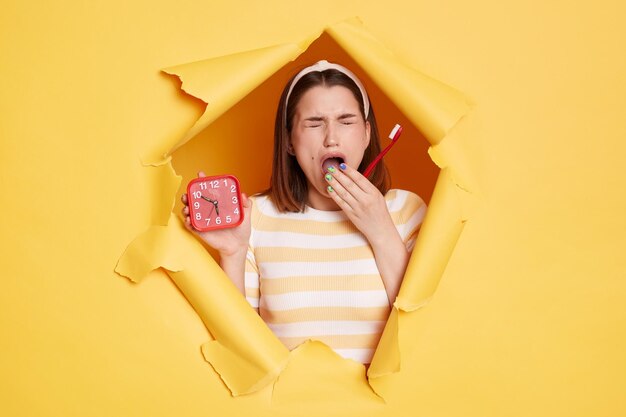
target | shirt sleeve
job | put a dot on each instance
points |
(407, 211)
(251, 280)
(251, 277)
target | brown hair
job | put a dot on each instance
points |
(288, 184)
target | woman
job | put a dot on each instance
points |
(323, 251)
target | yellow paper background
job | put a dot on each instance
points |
(528, 318)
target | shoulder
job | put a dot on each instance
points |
(264, 210)
(259, 199)
(262, 205)
(403, 200)
(407, 211)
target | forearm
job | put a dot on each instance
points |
(391, 258)
(234, 266)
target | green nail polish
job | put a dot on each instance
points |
(331, 169)
(330, 189)
(328, 177)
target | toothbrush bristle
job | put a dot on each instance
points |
(395, 132)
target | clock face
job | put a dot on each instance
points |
(214, 202)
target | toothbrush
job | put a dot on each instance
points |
(394, 135)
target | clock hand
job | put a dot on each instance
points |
(214, 202)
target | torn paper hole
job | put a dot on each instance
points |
(245, 353)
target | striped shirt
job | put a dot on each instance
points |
(313, 275)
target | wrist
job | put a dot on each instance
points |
(234, 252)
(383, 234)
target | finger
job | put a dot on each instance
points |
(245, 200)
(188, 223)
(339, 192)
(201, 174)
(186, 211)
(348, 185)
(358, 178)
(183, 198)
(247, 205)
(336, 195)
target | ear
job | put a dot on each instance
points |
(290, 150)
(368, 132)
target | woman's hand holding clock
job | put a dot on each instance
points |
(228, 242)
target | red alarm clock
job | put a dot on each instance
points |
(214, 202)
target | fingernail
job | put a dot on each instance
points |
(342, 166)
(331, 169)
(330, 189)
(328, 177)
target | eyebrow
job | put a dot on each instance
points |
(321, 119)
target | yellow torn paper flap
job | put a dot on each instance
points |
(245, 352)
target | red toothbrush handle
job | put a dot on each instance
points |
(375, 162)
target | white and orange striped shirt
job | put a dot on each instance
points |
(313, 275)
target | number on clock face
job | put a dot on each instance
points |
(214, 202)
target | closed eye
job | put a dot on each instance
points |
(347, 119)
(313, 122)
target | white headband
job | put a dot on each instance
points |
(324, 65)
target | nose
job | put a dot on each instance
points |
(331, 138)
